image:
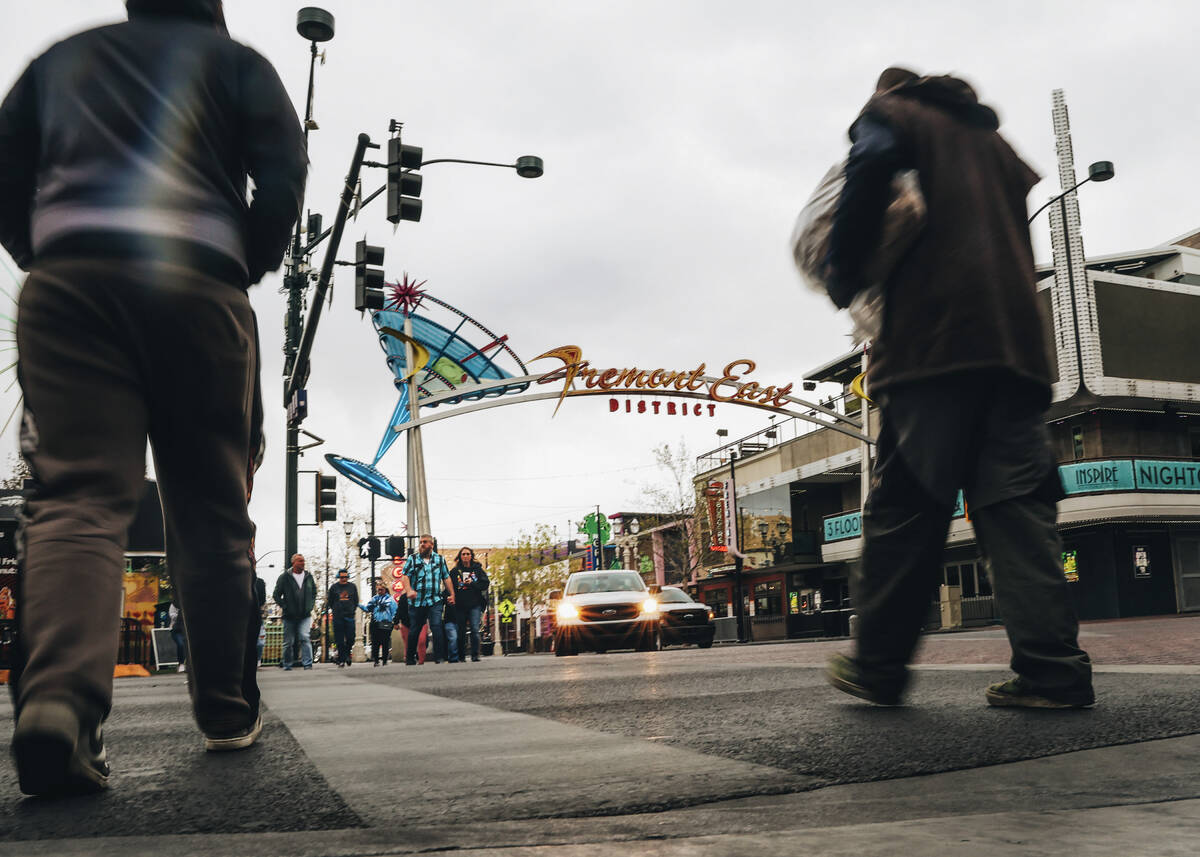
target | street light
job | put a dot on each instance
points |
(1100, 171)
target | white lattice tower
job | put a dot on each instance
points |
(1067, 244)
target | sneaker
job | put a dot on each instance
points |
(1019, 693)
(475, 659)
(182, 668)
(844, 674)
(56, 754)
(237, 741)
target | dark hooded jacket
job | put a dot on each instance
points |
(136, 140)
(963, 297)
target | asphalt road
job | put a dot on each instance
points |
(636, 747)
(742, 704)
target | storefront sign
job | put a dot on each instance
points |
(1167, 475)
(849, 525)
(714, 497)
(731, 386)
(1091, 476)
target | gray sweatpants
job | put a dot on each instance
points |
(112, 352)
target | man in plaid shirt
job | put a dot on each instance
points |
(425, 579)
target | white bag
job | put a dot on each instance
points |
(902, 223)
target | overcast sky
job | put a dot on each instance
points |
(680, 139)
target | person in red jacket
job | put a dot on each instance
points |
(125, 158)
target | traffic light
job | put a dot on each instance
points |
(326, 498)
(368, 548)
(403, 185)
(368, 281)
(395, 546)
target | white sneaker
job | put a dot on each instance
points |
(239, 741)
(181, 668)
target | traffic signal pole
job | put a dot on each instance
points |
(300, 363)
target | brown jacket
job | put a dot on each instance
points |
(963, 297)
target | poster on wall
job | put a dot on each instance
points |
(8, 570)
(141, 597)
(1141, 561)
(1071, 565)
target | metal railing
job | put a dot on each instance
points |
(783, 431)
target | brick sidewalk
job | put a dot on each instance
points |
(1150, 640)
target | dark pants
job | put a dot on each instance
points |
(112, 352)
(468, 620)
(180, 640)
(381, 643)
(985, 434)
(343, 635)
(418, 616)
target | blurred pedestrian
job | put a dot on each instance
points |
(342, 601)
(962, 379)
(125, 153)
(426, 575)
(382, 610)
(471, 584)
(296, 594)
(178, 635)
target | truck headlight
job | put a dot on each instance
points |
(566, 612)
(649, 606)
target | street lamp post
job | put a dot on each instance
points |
(314, 25)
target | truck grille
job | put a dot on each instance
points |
(609, 612)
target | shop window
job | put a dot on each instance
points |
(984, 579)
(969, 589)
(768, 598)
(718, 600)
(952, 576)
(1077, 441)
(1194, 436)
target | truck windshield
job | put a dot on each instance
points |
(615, 581)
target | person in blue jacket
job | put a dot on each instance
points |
(382, 610)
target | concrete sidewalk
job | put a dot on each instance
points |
(339, 766)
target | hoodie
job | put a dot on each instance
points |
(963, 298)
(137, 139)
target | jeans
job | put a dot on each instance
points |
(343, 634)
(296, 630)
(381, 642)
(468, 620)
(451, 629)
(418, 616)
(180, 644)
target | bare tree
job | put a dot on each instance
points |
(677, 516)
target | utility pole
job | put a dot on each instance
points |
(739, 606)
(315, 25)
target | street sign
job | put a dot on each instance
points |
(297, 408)
(507, 611)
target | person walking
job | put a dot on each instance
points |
(427, 581)
(422, 633)
(382, 610)
(296, 594)
(342, 601)
(962, 380)
(470, 584)
(178, 635)
(124, 193)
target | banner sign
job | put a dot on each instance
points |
(1091, 476)
(849, 525)
(1084, 477)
